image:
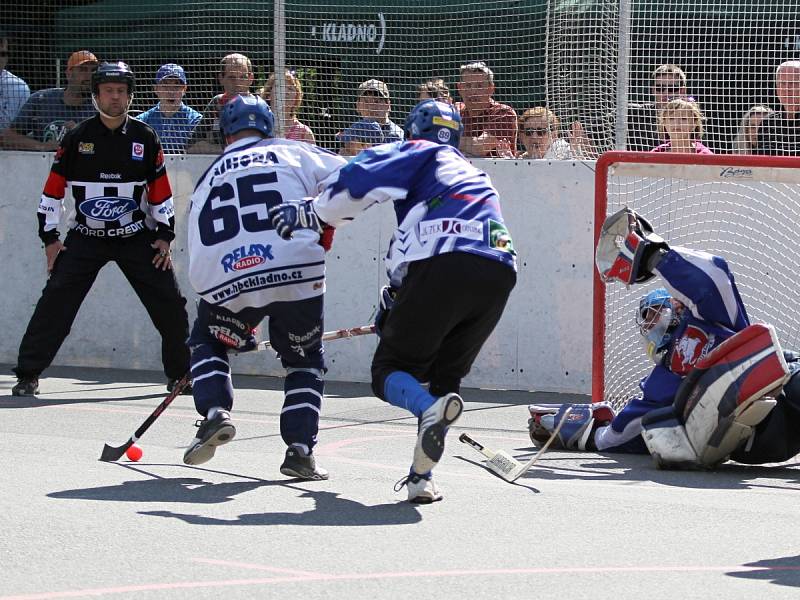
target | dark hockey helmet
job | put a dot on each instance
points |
(246, 112)
(434, 121)
(113, 72)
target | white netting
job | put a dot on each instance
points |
(589, 61)
(748, 215)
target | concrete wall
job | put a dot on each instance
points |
(543, 341)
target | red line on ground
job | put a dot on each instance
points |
(390, 575)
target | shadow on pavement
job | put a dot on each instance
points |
(780, 571)
(330, 510)
(634, 467)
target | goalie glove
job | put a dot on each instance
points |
(291, 216)
(628, 250)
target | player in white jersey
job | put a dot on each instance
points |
(244, 272)
(451, 265)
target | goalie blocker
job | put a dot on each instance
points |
(720, 402)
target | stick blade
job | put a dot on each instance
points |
(112, 454)
(503, 464)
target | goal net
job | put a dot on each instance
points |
(743, 208)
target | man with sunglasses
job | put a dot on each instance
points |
(14, 92)
(48, 114)
(669, 82)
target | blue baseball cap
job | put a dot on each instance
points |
(171, 70)
(368, 132)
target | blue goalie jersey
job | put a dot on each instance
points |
(443, 204)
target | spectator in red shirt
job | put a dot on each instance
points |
(490, 128)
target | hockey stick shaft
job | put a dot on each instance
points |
(113, 453)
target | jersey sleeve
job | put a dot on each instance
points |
(159, 193)
(705, 285)
(51, 204)
(375, 175)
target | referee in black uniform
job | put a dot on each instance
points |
(114, 168)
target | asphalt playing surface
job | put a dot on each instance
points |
(578, 525)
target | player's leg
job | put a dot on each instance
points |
(162, 299)
(478, 290)
(211, 387)
(295, 331)
(426, 310)
(777, 437)
(73, 274)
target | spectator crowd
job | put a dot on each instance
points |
(672, 121)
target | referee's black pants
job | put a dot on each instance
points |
(73, 274)
(444, 312)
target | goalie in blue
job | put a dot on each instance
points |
(451, 267)
(721, 388)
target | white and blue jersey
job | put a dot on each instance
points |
(236, 259)
(443, 204)
(713, 312)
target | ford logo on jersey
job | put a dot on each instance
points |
(107, 208)
(246, 257)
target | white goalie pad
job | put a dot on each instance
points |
(666, 439)
(726, 394)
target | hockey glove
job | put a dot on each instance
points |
(388, 295)
(291, 216)
(628, 250)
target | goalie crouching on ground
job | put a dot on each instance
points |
(721, 388)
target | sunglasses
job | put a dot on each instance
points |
(4, 53)
(536, 131)
(667, 88)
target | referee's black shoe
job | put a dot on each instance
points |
(26, 386)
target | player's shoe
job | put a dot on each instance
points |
(186, 391)
(301, 465)
(421, 488)
(433, 425)
(213, 432)
(26, 386)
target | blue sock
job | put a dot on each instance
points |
(402, 390)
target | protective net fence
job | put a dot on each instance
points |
(582, 76)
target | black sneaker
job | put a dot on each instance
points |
(211, 433)
(301, 465)
(187, 391)
(26, 386)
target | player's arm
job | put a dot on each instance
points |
(51, 203)
(376, 175)
(159, 194)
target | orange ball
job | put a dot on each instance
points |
(134, 453)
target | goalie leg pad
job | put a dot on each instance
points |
(722, 399)
(666, 439)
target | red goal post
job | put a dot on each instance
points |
(743, 208)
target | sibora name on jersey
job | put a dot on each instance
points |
(246, 257)
(258, 156)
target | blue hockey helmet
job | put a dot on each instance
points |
(246, 112)
(434, 121)
(656, 320)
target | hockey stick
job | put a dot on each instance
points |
(505, 465)
(113, 453)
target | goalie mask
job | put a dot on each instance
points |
(656, 320)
